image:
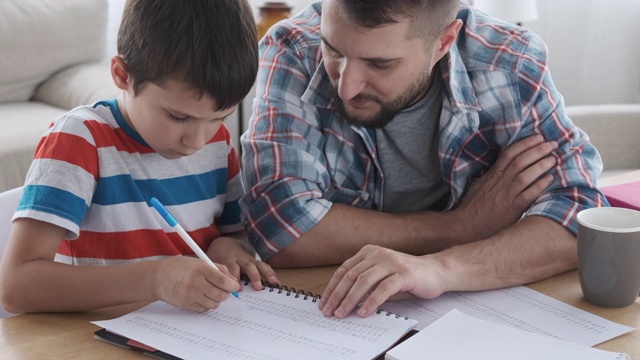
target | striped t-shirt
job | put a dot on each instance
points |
(94, 175)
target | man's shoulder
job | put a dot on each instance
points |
(301, 31)
(489, 44)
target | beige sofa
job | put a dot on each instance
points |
(615, 132)
(51, 60)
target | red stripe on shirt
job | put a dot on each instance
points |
(135, 244)
(106, 136)
(66, 144)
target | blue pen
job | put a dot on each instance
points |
(184, 235)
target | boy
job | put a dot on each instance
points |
(182, 67)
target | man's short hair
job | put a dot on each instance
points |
(429, 18)
(210, 45)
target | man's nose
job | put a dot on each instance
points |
(351, 82)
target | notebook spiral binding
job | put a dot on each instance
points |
(288, 291)
(387, 313)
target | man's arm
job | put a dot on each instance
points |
(530, 250)
(494, 201)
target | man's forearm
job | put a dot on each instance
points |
(344, 230)
(530, 250)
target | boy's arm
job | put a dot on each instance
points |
(30, 281)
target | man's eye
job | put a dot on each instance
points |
(383, 66)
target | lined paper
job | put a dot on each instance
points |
(260, 325)
(459, 336)
(518, 307)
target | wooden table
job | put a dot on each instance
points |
(70, 335)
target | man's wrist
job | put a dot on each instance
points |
(440, 230)
(443, 270)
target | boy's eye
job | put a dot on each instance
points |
(178, 118)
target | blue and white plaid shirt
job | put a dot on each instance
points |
(300, 156)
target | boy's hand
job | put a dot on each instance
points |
(192, 284)
(231, 252)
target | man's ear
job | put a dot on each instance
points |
(446, 40)
(119, 73)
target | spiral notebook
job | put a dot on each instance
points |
(274, 323)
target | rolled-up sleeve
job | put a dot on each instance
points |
(284, 166)
(578, 162)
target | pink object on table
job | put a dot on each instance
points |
(625, 195)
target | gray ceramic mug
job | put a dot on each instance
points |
(609, 255)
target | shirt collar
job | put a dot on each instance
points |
(319, 92)
(458, 85)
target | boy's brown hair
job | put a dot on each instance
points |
(210, 45)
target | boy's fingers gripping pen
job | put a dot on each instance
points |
(166, 215)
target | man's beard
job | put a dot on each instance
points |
(388, 110)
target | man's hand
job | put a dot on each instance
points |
(375, 274)
(231, 252)
(500, 197)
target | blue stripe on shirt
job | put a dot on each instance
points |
(118, 189)
(53, 200)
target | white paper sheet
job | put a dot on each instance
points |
(518, 307)
(459, 336)
(260, 325)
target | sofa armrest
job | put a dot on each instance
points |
(614, 129)
(78, 85)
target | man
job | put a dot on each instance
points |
(383, 129)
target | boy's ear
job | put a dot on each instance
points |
(119, 73)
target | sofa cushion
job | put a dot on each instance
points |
(39, 37)
(22, 124)
(78, 85)
(614, 129)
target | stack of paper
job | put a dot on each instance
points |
(518, 307)
(460, 336)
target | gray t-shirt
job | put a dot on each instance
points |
(408, 152)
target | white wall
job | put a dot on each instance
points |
(594, 48)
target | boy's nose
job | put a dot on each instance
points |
(195, 137)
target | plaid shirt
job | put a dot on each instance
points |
(300, 157)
